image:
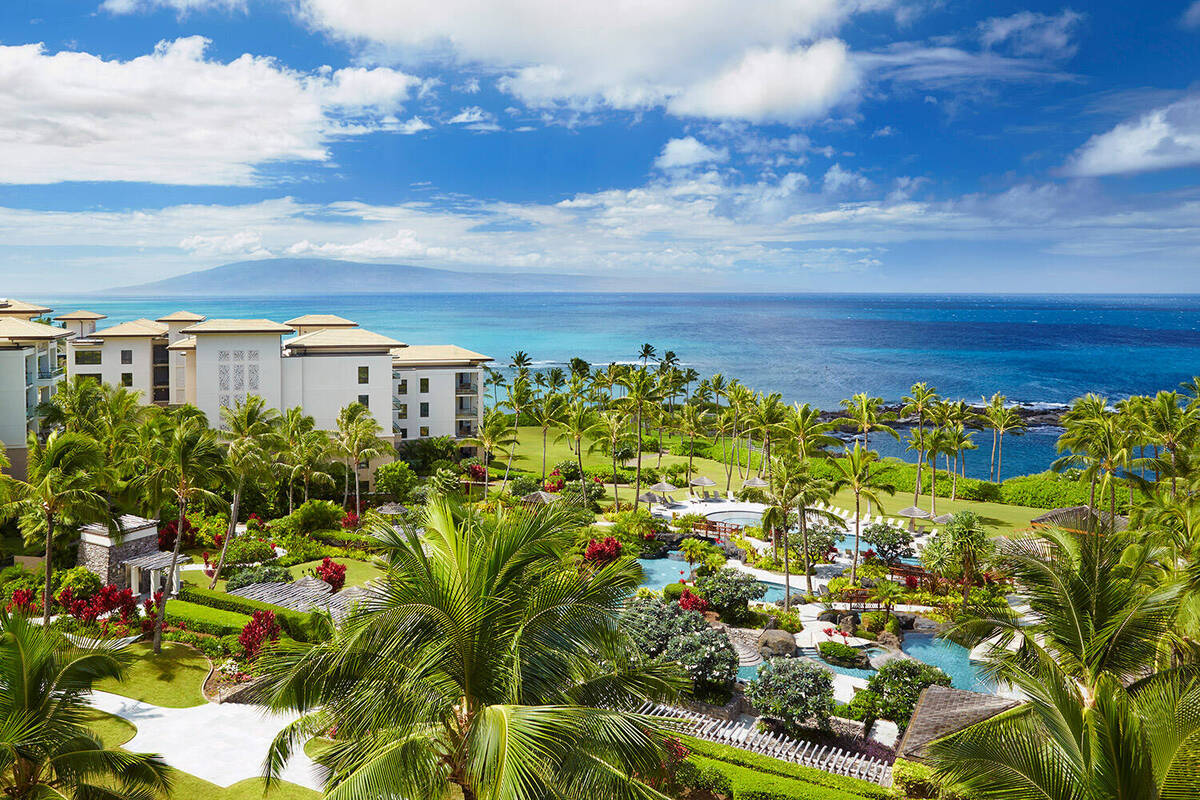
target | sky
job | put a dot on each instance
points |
(757, 145)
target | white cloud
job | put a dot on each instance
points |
(1028, 33)
(838, 180)
(476, 119)
(942, 66)
(1160, 139)
(688, 152)
(885, 131)
(1191, 17)
(774, 85)
(414, 125)
(174, 116)
(587, 55)
(181, 7)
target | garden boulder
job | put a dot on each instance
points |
(773, 643)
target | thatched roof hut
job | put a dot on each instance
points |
(942, 711)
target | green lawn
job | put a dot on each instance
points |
(357, 572)
(115, 731)
(174, 679)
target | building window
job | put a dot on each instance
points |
(365, 400)
(402, 387)
(127, 379)
(424, 385)
(90, 377)
(364, 374)
(424, 409)
(404, 433)
(87, 356)
(402, 411)
(424, 430)
(126, 356)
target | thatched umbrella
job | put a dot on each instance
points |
(943, 519)
(703, 480)
(755, 483)
(392, 509)
(540, 498)
(648, 499)
(913, 513)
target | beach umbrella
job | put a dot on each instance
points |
(648, 499)
(540, 498)
(943, 519)
(392, 509)
(755, 483)
(703, 480)
(663, 486)
(913, 513)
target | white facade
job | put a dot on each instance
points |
(30, 372)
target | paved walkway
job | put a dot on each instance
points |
(222, 744)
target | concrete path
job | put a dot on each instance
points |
(222, 744)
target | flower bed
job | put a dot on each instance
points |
(843, 655)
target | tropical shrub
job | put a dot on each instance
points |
(795, 694)
(568, 470)
(874, 621)
(890, 543)
(422, 454)
(311, 627)
(246, 550)
(708, 658)
(843, 655)
(602, 551)
(524, 484)
(81, 582)
(730, 591)
(332, 573)
(898, 684)
(672, 592)
(261, 629)
(166, 534)
(202, 619)
(822, 541)
(586, 495)
(914, 780)
(261, 573)
(689, 601)
(395, 480)
(652, 624)
(317, 515)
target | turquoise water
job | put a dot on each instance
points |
(658, 572)
(949, 657)
(742, 518)
(816, 348)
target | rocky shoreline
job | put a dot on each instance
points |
(1034, 415)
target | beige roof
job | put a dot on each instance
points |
(11, 306)
(186, 343)
(13, 329)
(942, 711)
(136, 328)
(342, 339)
(182, 316)
(436, 354)
(76, 316)
(322, 320)
(237, 326)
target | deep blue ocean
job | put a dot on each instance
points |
(816, 348)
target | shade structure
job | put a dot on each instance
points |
(663, 486)
(943, 519)
(703, 480)
(646, 497)
(540, 498)
(755, 483)
(913, 511)
(392, 509)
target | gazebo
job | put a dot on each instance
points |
(128, 556)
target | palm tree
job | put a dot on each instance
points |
(969, 546)
(887, 594)
(610, 432)
(803, 428)
(480, 662)
(249, 432)
(48, 748)
(294, 425)
(867, 415)
(74, 406)
(495, 436)
(520, 362)
(547, 413)
(347, 419)
(1003, 420)
(364, 444)
(1071, 742)
(647, 353)
(740, 400)
(577, 423)
(182, 467)
(1172, 427)
(641, 395)
(992, 407)
(693, 551)
(768, 416)
(64, 477)
(807, 493)
(520, 398)
(958, 441)
(495, 379)
(1104, 452)
(309, 460)
(692, 421)
(853, 471)
(920, 400)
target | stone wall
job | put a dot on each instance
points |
(105, 561)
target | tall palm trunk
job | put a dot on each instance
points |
(954, 479)
(357, 497)
(162, 608)
(345, 487)
(920, 457)
(616, 498)
(229, 532)
(857, 532)
(933, 485)
(544, 432)
(992, 465)
(637, 481)
(47, 600)
(804, 555)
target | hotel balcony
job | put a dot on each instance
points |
(466, 387)
(466, 410)
(465, 430)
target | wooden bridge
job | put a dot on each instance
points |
(715, 530)
(807, 754)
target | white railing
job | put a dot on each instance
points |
(807, 754)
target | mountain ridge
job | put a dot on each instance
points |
(303, 276)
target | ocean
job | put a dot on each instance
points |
(815, 348)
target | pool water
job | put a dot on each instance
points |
(754, 518)
(658, 572)
(951, 658)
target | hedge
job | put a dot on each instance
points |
(751, 784)
(205, 619)
(774, 766)
(348, 540)
(298, 626)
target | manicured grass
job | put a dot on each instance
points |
(774, 766)
(173, 679)
(752, 783)
(205, 619)
(357, 572)
(112, 730)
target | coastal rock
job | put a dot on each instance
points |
(848, 624)
(888, 640)
(775, 643)
(835, 615)
(906, 621)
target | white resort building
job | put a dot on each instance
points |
(319, 362)
(29, 370)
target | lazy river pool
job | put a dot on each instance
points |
(754, 518)
(658, 572)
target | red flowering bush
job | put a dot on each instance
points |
(166, 535)
(332, 573)
(24, 601)
(109, 599)
(261, 628)
(554, 484)
(603, 551)
(255, 524)
(911, 581)
(151, 607)
(477, 472)
(350, 521)
(692, 602)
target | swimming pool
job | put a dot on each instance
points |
(754, 518)
(658, 572)
(952, 659)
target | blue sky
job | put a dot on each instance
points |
(780, 145)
